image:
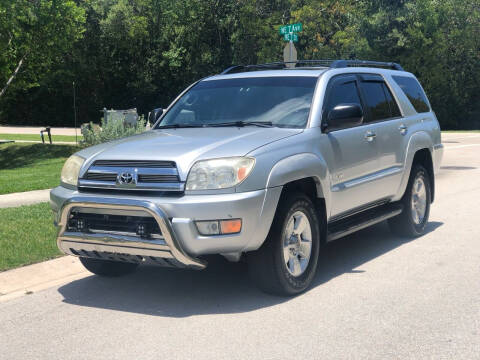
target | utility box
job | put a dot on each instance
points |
(128, 117)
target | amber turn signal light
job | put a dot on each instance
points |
(230, 226)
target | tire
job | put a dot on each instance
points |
(416, 201)
(269, 267)
(108, 268)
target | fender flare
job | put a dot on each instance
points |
(301, 166)
(418, 141)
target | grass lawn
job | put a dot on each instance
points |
(25, 167)
(36, 137)
(27, 235)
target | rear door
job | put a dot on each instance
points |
(390, 128)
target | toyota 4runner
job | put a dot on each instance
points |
(262, 162)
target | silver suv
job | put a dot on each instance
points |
(265, 163)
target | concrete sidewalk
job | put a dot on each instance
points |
(24, 198)
(33, 278)
(36, 130)
(46, 142)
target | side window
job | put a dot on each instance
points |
(376, 100)
(414, 92)
(394, 109)
(343, 91)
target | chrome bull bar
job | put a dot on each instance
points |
(165, 251)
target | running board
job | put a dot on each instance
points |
(346, 226)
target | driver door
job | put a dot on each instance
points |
(353, 151)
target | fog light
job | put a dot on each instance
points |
(80, 224)
(208, 227)
(219, 227)
(141, 230)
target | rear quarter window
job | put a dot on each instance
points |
(414, 92)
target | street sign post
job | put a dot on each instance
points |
(290, 54)
(289, 33)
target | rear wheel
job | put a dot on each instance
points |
(107, 267)
(287, 261)
(416, 201)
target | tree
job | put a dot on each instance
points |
(142, 53)
(439, 41)
(33, 34)
(330, 29)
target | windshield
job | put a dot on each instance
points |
(276, 101)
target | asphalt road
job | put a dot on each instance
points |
(375, 296)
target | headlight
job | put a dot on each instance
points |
(71, 169)
(219, 173)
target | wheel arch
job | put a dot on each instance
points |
(424, 158)
(309, 187)
(419, 151)
(306, 172)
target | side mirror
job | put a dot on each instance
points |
(343, 116)
(154, 115)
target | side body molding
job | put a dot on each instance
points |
(419, 140)
(301, 166)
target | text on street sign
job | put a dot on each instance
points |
(291, 28)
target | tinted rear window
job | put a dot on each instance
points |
(395, 111)
(414, 92)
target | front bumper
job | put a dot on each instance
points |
(180, 244)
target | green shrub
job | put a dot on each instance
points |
(94, 134)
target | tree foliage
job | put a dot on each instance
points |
(33, 33)
(142, 53)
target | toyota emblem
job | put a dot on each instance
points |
(126, 179)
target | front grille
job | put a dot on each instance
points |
(146, 175)
(143, 226)
(101, 176)
(136, 163)
(158, 178)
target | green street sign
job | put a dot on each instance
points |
(290, 37)
(291, 28)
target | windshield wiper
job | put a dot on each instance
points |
(178, 126)
(242, 124)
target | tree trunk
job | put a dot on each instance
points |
(20, 63)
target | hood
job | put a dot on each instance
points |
(185, 146)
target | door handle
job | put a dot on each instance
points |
(403, 129)
(370, 136)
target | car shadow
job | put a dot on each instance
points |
(12, 157)
(223, 287)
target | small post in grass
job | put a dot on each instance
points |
(75, 113)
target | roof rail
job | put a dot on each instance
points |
(360, 63)
(327, 63)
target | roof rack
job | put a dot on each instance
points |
(366, 63)
(334, 64)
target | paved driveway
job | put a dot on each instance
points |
(375, 296)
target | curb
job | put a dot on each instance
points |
(34, 278)
(24, 198)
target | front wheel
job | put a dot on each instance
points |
(108, 268)
(416, 205)
(287, 261)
